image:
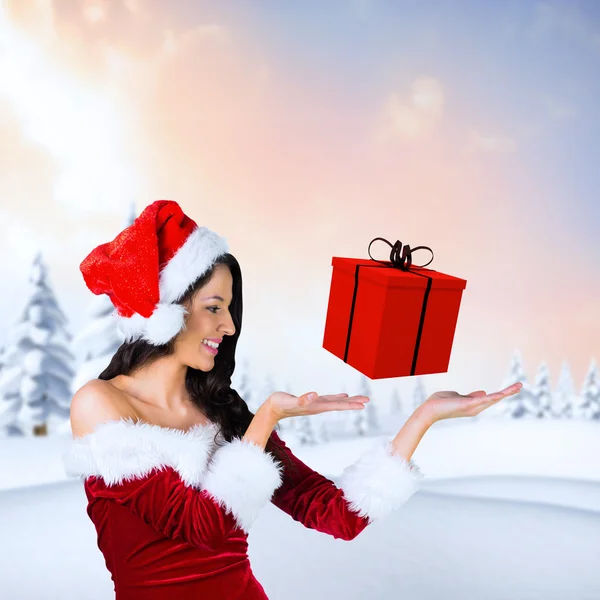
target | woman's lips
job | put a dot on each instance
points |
(213, 351)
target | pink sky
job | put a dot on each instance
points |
(126, 102)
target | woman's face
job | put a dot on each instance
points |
(208, 319)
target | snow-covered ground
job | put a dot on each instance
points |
(508, 510)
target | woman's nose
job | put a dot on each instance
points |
(230, 327)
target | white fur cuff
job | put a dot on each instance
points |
(379, 482)
(242, 477)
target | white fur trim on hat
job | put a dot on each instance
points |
(242, 477)
(165, 322)
(379, 482)
(192, 260)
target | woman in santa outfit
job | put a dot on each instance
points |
(175, 466)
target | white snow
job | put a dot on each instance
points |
(508, 510)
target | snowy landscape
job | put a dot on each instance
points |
(509, 508)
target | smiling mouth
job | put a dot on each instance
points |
(212, 351)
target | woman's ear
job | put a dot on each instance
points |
(188, 303)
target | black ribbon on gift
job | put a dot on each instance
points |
(400, 258)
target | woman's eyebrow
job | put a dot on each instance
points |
(214, 298)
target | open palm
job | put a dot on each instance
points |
(286, 405)
(449, 404)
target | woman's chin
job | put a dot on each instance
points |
(201, 364)
(206, 364)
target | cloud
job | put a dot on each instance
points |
(78, 124)
(486, 143)
(558, 109)
(118, 102)
(95, 11)
(567, 20)
(362, 8)
(136, 7)
(414, 116)
(190, 41)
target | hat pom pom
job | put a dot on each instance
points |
(166, 321)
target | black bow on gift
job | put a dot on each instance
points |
(399, 261)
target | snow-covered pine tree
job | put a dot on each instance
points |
(540, 400)
(337, 426)
(244, 387)
(265, 390)
(562, 405)
(358, 418)
(39, 350)
(371, 411)
(10, 399)
(396, 407)
(419, 393)
(397, 415)
(324, 436)
(515, 406)
(590, 394)
(305, 431)
(359, 423)
(287, 425)
(95, 345)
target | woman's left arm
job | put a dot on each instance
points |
(377, 484)
(381, 480)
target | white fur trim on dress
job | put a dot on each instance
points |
(122, 450)
(192, 260)
(379, 482)
(242, 478)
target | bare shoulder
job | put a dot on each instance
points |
(94, 403)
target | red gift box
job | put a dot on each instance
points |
(390, 318)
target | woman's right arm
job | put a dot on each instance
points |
(162, 476)
(261, 426)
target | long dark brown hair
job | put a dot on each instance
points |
(210, 391)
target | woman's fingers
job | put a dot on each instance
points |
(342, 406)
(331, 402)
(485, 399)
(350, 403)
(508, 391)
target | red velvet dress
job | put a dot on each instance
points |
(172, 509)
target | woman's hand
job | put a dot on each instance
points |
(283, 405)
(450, 405)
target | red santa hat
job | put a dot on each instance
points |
(149, 266)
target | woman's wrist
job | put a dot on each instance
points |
(261, 426)
(407, 439)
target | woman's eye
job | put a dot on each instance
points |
(215, 308)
